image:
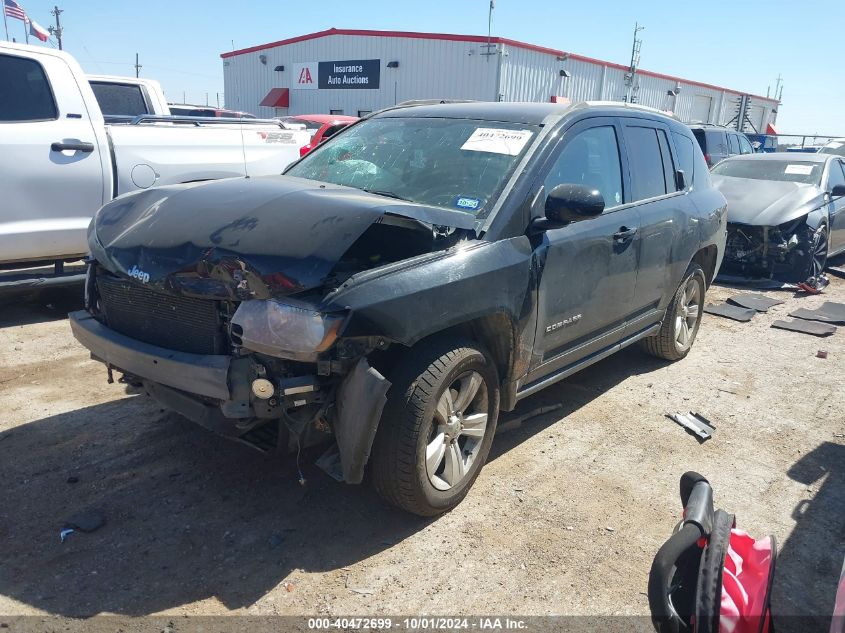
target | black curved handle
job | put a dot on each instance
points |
(624, 234)
(663, 614)
(77, 146)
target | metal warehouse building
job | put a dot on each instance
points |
(354, 72)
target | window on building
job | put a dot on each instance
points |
(363, 113)
(26, 94)
(119, 99)
(590, 158)
(649, 179)
(335, 111)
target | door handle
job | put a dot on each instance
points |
(624, 234)
(78, 146)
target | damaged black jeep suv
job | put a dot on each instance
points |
(405, 282)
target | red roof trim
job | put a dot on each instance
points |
(477, 39)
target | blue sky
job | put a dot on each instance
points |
(741, 45)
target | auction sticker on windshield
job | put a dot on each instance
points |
(799, 170)
(497, 141)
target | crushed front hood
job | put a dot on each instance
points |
(767, 202)
(243, 238)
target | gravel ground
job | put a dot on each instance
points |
(564, 519)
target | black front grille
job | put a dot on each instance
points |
(170, 321)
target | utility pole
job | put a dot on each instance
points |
(57, 30)
(631, 75)
(138, 66)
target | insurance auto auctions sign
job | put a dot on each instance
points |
(353, 74)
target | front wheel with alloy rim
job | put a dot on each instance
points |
(683, 317)
(818, 252)
(437, 426)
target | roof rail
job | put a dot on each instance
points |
(420, 102)
(632, 106)
(196, 120)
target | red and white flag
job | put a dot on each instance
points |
(37, 30)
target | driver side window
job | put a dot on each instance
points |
(590, 158)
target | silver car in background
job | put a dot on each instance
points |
(786, 214)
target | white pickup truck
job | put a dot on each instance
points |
(60, 160)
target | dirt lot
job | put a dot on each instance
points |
(564, 519)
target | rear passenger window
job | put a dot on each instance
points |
(668, 161)
(590, 158)
(733, 143)
(26, 94)
(644, 156)
(119, 99)
(685, 152)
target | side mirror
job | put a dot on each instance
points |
(570, 203)
(838, 191)
(680, 180)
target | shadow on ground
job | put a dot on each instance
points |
(25, 308)
(192, 516)
(816, 547)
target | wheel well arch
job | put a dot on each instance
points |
(706, 258)
(495, 331)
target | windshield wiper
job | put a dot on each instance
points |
(386, 194)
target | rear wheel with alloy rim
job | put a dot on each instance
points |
(683, 318)
(437, 426)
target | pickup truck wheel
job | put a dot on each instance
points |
(683, 317)
(437, 427)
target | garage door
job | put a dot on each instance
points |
(701, 105)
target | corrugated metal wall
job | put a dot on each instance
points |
(535, 76)
(430, 69)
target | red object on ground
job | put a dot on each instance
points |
(746, 583)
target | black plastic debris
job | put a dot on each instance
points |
(828, 312)
(756, 284)
(806, 327)
(695, 423)
(760, 303)
(737, 313)
(87, 520)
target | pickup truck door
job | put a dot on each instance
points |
(588, 268)
(51, 168)
(668, 230)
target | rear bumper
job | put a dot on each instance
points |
(204, 375)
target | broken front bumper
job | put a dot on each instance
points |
(200, 374)
(769, 252)
(214, 390)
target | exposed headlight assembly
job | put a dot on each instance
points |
(287, 329)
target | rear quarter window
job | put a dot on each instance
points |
(25, 93)
(120, 99)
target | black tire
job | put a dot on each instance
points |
(665, 343)
(398, 464)
(818, 252)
